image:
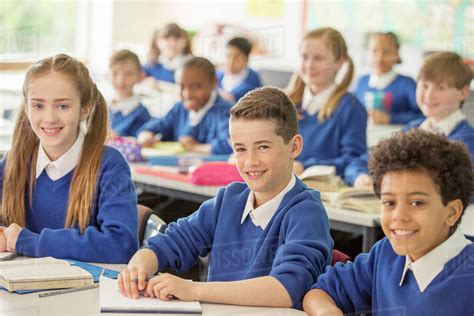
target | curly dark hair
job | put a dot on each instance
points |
(448, 163)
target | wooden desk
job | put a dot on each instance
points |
(341, 219)
(87, 303)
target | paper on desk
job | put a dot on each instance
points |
(7, 256)
(111, 301)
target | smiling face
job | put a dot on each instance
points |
(124, 75)
(438, 100)
(413, 215)
(318, 64)
(264, 161)
(196, 88)
(54, 112)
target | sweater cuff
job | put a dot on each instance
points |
(27, 243)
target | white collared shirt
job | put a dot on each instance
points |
(63, 165)
(262, 215)
(231, 81)
(195, 117)
(380, 82)
(313, 103)
(446, 125)
(125, 106)
(175, 63)
(426, 268)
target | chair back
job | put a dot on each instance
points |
(149, 224)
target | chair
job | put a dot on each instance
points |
(339, 256)
(149, 224)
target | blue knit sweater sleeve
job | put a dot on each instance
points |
(164, 125)
(115, 211)
(307, 247)
(409, 90)
(356, 167)
(350, 285)
(188, 238)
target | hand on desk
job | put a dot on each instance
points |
(363, 181)
(379, 117)
(9, 236)
(188, 142)
(147, 139)
(166, 286)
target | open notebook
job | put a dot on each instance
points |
(111, 301)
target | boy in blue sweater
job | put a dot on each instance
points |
(424, 265)
(443, 86)
(238, 78)
(200, 122)
(126, 113)
(268, 238)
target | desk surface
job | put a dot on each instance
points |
(87, 303)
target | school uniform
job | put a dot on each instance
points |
(164, 68)
(209, 125)
(338, 139)
(439, 283)
(239, 84)
(395, 92)
(455, 126)
(128, 116)
(112, 232)
(287, 238)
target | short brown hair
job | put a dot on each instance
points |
(271, 104)
(447, 163)
(446, 67)
(202, 64)
(125, 55)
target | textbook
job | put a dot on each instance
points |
(322, 178)
(4, 256)
(163, 149)
(358, 199)
(112, 301)
(42, 274)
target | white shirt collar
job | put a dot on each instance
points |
(380, 82)
(446, 125)
(231, 81)
(125, 106)
(195, 117)
(262, 215)
(426, 268)
(175, 63)
(313, 103)
(63, 165)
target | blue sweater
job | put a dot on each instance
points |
(337, 140)
(371, 283)
(251, 82)
(213, 128)
(130, 124)
(462, 132)
(112, 232)
(294, 247)
(158, 72)
(402, 100)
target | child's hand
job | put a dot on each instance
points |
(131, 281)
(363, 181)
(3, 240)
(298, 167)
(379, 117)
(147, 138)
(166, 286)
(227, 95)
(152, 83)
(11, 236)
(188, 142)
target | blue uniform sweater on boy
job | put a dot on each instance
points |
(130, 124)
(403, 107)
(112, 232)
(337, 140)
(294, 247)
(462, 132)
(251, 82)
(159, 72)
(213, 128)
(371, 283)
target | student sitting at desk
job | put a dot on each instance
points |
(170, 48)
(200, 121)
(126, 113)
(268, 238)
(237, 79)
(332, 121)
(443, 86)
(63, 193)
(389, 97)
(424, 265)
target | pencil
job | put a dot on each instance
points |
(72, 290)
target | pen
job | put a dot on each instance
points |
(72, 290)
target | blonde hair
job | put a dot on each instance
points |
(169, 30)
(21, 159)
(335, 42)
